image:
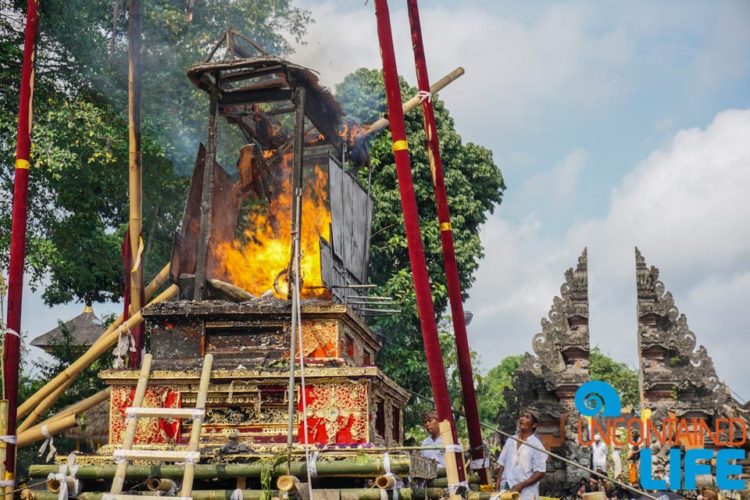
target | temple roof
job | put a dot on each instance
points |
(84, 330)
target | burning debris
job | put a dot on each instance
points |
(258, 260)
(236, 233)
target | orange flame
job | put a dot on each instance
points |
(349, 132)
(259, 263)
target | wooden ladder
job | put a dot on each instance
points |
(191, 456)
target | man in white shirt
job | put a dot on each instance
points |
(521, 465)
(432, 426)
(599, 455)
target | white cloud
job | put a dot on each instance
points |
(514, 69)
(686, 208)
(558, 184)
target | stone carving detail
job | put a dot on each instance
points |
(563, 344)
(547, 382)
(670, 363)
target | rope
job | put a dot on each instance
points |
(548, 453)
(11, 331)
(9, 438)
(303, 391)
(67, 471)
(386, 463)
(312, 466)
(310, 458)
(125, 344)
(48, 442)
(424, 95)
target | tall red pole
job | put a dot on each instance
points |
(411, 223)
(12, 337)
(449, 252)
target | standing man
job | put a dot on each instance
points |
(599, 455)
(432, 426)
(521, 465)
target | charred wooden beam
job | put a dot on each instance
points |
(243, 96)
(206, 201)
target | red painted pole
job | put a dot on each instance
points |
(411, 223)
(449, 252)
(12, 339)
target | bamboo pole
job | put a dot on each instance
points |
(3, 444)
(45, 405)
(45, 391)
(95, 351)
(195, 430)
(160, 484)
(157, 281)
(412, 103)
(350, 467)
(358, 493)
(81, 406)
(132, 424)
(451, 471)
(442, 481)
(54, 484)
(36, 433)
(135, 181)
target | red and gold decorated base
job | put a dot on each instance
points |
(345, 406)
(149, 430)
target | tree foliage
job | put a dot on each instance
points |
(474, 187)
(78, 184)
(491, 388)
(620, 375)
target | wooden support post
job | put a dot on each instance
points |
(207, 196)
(132, 424)
(451, 465)
(195, 431)
(415, 246)
(452, 282)
(135, 180)
(19, 218)
(3, 444)
(294, 261)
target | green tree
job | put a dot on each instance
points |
(90, 44)
(474, 187)
(620, 375)
(491, 388)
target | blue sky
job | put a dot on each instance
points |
(615, 124)
(612, 124)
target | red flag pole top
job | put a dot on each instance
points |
(12, 339)
(449, 253)
(411, 223)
